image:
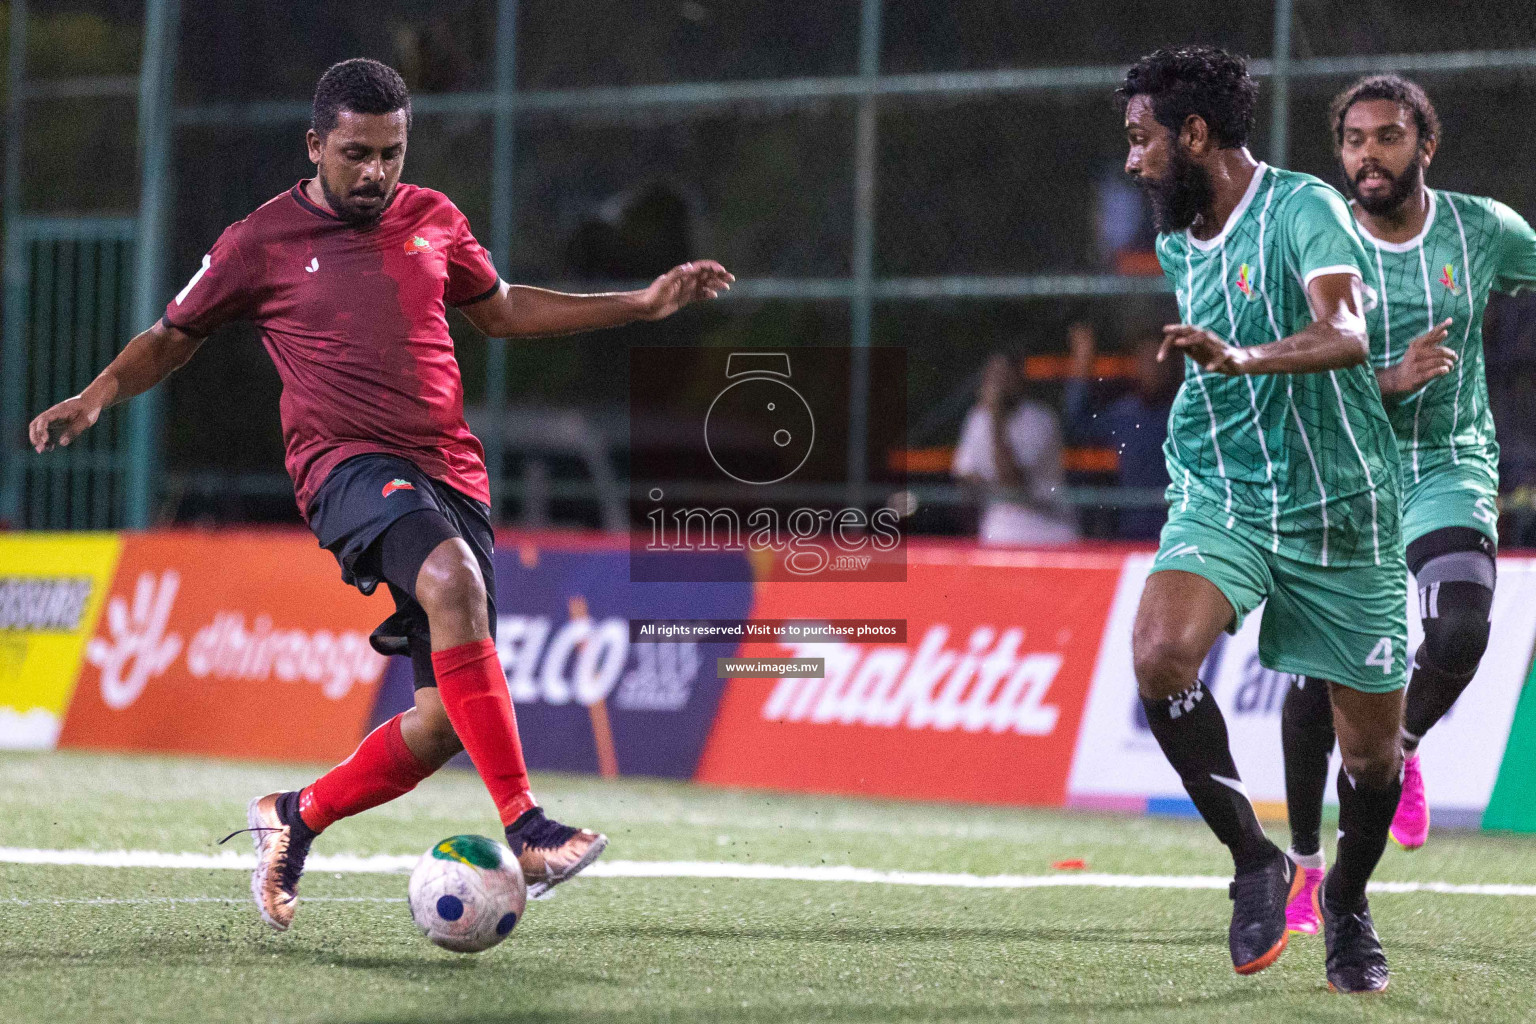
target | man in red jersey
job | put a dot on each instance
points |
(349, 275)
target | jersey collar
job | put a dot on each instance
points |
(1413, 243)
(304, 201)
(1237, 212)
(302, 198)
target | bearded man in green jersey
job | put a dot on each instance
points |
(1285, 489)
(1432, 259)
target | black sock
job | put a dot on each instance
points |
(1306, 736)
(1193, 734)
(1431, 693)
(288, 814)
(526, 819)
(534, 828)
(1365, 814)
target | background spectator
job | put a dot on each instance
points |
(1010, 452)
(1135, 425)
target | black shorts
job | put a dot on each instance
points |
(369, 496)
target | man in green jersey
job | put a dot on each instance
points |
(1432, 259)
(1285, 489)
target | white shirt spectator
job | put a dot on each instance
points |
(1032, 433)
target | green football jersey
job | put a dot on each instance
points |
(1303, 464)
(1469, 246)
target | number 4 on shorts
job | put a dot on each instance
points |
(1381, 655)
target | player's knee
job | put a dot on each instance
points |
(1456, 637)
(1165, 663)
(1374, 765)
(434, 733)
(450, 584)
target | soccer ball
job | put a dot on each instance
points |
(467, 893)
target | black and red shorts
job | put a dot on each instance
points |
(381, 517)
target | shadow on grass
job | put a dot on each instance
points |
(859, 935)
(198, 948)
(431, 964)
(234, 946)
(1002, 1009)
(426, 963)
(193, 953)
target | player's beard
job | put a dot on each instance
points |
(1403, 185)
(353, 215)
(1179, 198)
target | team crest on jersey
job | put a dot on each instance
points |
(1448, 278)
(398, 484)
(417, 244)
(1245, 282)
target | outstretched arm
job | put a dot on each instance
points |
(519, 311)
(146, 360)
(1334, 339)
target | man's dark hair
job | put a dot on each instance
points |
(1199, 80)
(1395, 88)
(362, 86)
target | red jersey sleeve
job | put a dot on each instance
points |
(471, 275)
(220, 291)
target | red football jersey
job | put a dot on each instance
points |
(355, 319)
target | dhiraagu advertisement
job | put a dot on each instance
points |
(51, 590)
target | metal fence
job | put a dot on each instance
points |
(849, 132)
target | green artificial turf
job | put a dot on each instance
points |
(101, 944)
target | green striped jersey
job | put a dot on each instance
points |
(1468, 247)
(1303, 464)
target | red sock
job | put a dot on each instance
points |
(380, 769)
(474, 693)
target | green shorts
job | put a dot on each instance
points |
(1451, 495)
(1348, 625)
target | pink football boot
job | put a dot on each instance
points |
(1301, 912)
(1410, 825)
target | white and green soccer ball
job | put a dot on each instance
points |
(467, 893)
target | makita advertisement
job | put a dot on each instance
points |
(982, 703)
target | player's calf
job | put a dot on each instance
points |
(472, 709)
(1369, 785)
(1180, 616)
(1455, 610)
(427, 732)
(1456, 628)
(382, 768)
(1306, 738)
